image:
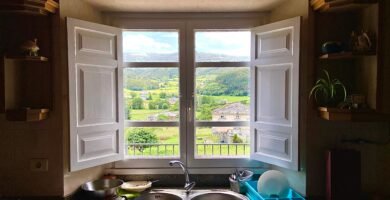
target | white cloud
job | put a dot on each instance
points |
(229, 43)
(142, 44)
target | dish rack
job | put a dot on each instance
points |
(253, 194)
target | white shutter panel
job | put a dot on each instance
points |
(274, 89)
(95, 94)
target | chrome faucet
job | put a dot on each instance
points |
(188, 184)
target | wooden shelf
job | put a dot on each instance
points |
(326, 6)
(336, 114)
(27, 114)
(29, 7)
(29, 58)
(345, 55)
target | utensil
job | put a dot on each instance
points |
(102, 188)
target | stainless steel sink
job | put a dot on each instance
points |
(158, 196)
(174, 194)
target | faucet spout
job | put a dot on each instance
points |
(188, 185)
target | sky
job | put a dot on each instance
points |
(232, 43)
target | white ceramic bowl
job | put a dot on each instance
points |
(136, 186)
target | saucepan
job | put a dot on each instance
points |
(103, 188)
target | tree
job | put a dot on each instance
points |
(128, 114)
(137, 103)
(205, 113)
(236, 139)
(139, 136)
(165, 106)
(174, 107)
(149, 96)
(163, 95)
(236, 82)
(133, 94)
(152, 105)
(213, 89)
(162, 104)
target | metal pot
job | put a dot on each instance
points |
(102, 188)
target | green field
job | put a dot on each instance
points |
(152, 94)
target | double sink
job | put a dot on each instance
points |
(176, 194)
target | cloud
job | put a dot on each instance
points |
(235, 43)
(148, 42)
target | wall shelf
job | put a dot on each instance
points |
(345, 55)
(326, 6)
(336, 114)
(28, 58)
(27, 114)
(29, 7)
(359, 71)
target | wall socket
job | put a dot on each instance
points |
(39, 164)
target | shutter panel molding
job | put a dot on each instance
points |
(95, 94)
(275, 93)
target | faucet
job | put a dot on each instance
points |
(188, 184)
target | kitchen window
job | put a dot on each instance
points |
(158, 108)
(183, 89)
(222, 93)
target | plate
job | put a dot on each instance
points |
(136, 186)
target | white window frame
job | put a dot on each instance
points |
(157, 163)
(207, 162)
(186, 64)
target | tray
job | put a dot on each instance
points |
(253, 194)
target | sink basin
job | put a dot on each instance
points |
(177, 194)
(158, 196)
(219, 196)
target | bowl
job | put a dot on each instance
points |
(136, 186)
(102, 187)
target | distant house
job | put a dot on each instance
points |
(144, 95)
(172, 115)
(231, 112)
(173, 100)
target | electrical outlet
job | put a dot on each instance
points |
(39, 164)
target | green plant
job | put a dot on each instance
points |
(327, 91)
(236, 139)
(139, 136)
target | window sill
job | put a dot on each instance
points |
(179, 171)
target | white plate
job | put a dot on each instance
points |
(136, 186)
(273, 182)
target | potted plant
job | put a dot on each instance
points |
(328, 92)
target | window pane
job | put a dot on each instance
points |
(222, 142)
(151, 94)
(150, 46)
(222, 46)
(152, 141)
(222, 94)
